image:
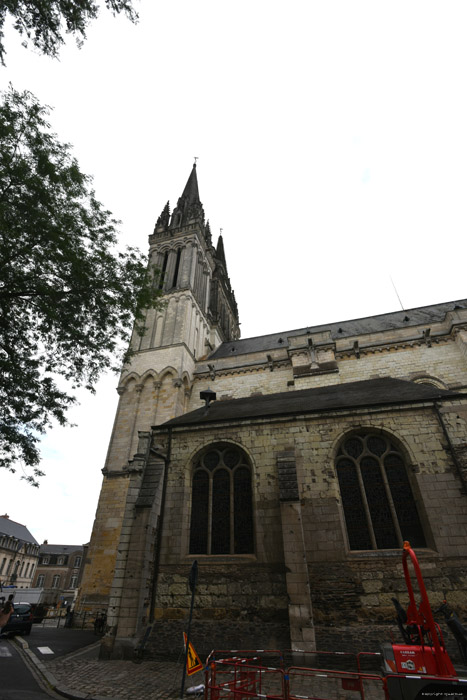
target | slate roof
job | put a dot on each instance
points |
(423, 315)
(13, 529)
(372, 392)
(59, 548)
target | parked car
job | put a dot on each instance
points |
(20, 620)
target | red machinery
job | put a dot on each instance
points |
(421, 665)
(419, 668)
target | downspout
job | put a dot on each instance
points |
(158, 538)
(457, 464)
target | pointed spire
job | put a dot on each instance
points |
(191, 192)
(220, 254)
(189, 207)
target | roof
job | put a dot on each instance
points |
(13, 529)
(372, 392)
(59, 548)
(424, 315)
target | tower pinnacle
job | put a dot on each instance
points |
(189, 207)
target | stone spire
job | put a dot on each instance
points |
(189, 208)
(220, 254)
(163, 220)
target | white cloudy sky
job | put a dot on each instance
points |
(332, 147)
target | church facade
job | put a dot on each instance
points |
(291, 466)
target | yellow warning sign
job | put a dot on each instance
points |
(193, 662)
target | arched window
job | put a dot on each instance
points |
(221, 509)
(379, 506)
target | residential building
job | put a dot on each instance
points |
(19, 554)
(59, 572)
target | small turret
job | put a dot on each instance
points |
(162, 222)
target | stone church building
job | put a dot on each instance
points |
(291, 466)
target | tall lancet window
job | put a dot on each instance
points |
(379, 506)
(177, 267)
(221, 508)
(163, 270)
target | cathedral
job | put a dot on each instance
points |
(290, 466)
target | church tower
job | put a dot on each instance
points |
(198, 314)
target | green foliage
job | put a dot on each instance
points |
(44, 21)
(68, 298)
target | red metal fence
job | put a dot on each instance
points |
(265, 674)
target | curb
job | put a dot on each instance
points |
(50, 678)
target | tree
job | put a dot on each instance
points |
(44, 21)
(68, 297)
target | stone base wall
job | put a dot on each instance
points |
(206, 635)
(235, 605)
(361, 592)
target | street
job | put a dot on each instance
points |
(17, 680)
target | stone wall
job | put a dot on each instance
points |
(347, 587)
(101, 558)
(235, 603)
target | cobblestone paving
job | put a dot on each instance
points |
(123, 679)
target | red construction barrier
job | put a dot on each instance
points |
(246, 676)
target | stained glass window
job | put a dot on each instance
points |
(379, 506)
(222, 511)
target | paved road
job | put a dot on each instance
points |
(59, 641)
(17, 680)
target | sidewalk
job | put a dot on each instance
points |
(82, 676)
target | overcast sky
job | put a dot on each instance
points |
(332, 146)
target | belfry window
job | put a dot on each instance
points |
(163, 270)
(177, 267)
(379, 506)
(221, 510)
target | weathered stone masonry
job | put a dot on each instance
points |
(287, 402)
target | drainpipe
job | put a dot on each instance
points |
(457, 464)
(158, 537)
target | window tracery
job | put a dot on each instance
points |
(221, 512)
(379, 507)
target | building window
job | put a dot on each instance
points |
(221, 509)
(77, 562)
(73, 581)
(3, 565)
(177, 267)
(45, 560)
(379, 506)
(60, 561)
(163, 270)
(40, 580)
(56, 581)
